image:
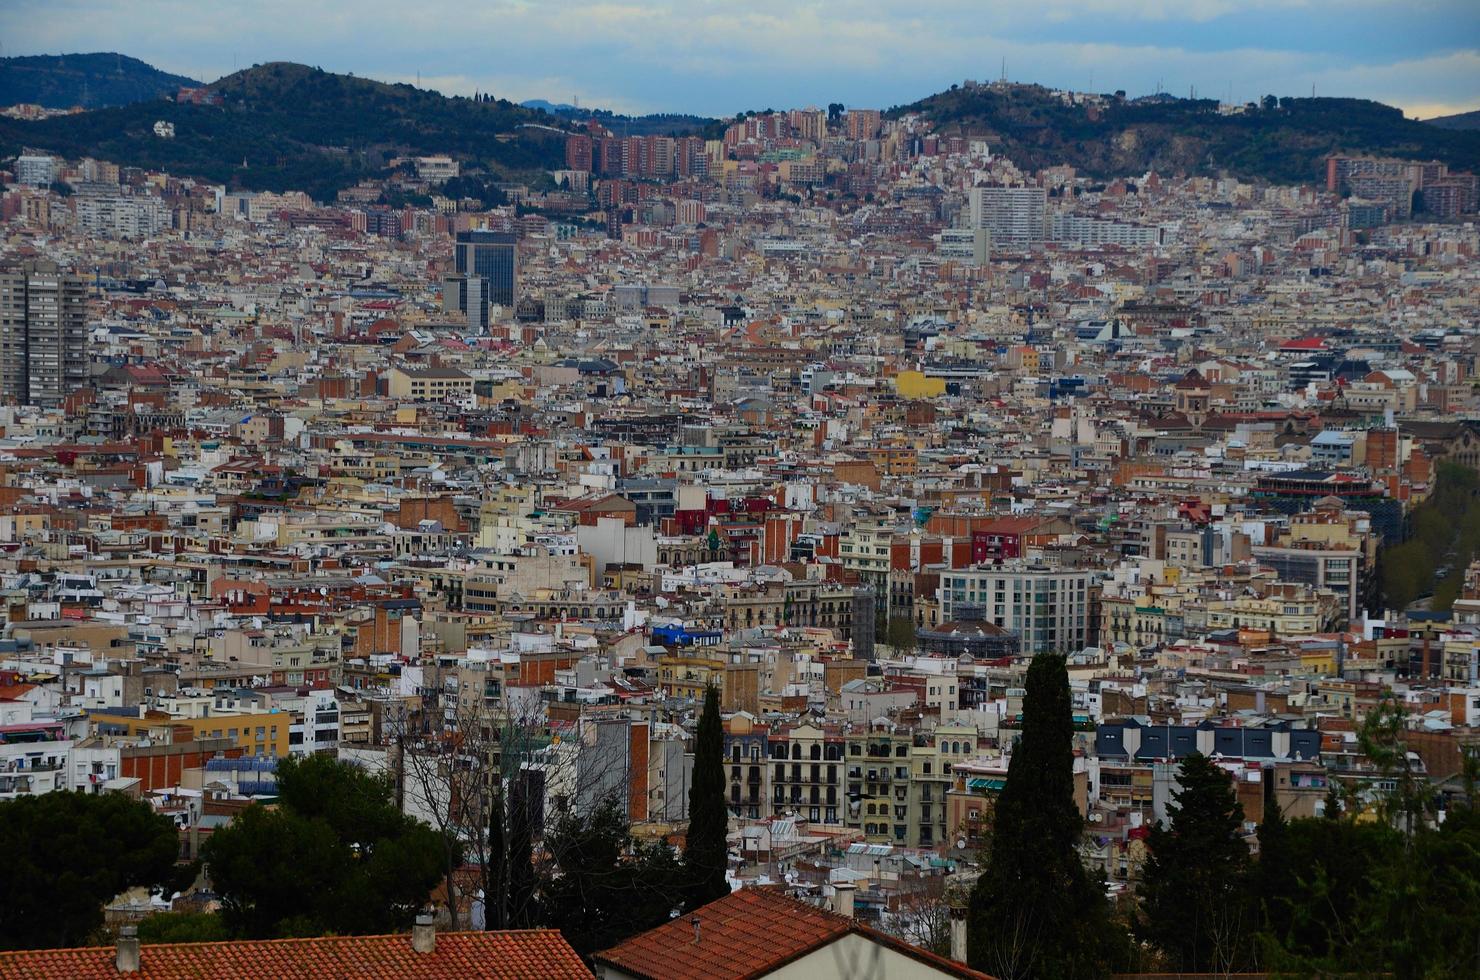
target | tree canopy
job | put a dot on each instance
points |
(68, 853)
(1445, 535)
(334, 855)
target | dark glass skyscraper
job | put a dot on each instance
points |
(493, 256)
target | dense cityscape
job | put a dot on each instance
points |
(835, 539)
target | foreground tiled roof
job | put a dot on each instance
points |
(749, 933)
(542, 954)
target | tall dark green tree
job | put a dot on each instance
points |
(511, 881)
(1275, 882)
(1194, 886)
(523, 908)
(706, 853)
(496, 871)
(335, 856)
(1035, 911)
(68, 853)
(605, 887)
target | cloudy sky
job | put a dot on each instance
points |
(717, 58)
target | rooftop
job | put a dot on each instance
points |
(509, 955)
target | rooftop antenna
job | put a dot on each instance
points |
(1004, 68)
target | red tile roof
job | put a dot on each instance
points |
(749, 933)
(508, 955)
(1304, 343)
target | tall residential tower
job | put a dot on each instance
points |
(43, 334)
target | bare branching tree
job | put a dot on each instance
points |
(488, 772)
(922, 914)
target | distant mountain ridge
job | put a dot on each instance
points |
(653, 124)
(92, 81)
(1283, 140)
(1460, 120)
(286, 126)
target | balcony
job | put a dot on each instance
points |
(39, 766)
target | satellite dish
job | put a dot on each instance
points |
(961, 843)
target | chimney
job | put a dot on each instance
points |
(843, 898)
(695, 923)
(423, 936)
(958, 933)
(126, 959)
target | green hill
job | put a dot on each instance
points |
(284, 127)
(1284, 140)
(92, 81)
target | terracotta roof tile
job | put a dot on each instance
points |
(749, 933)
(508, 955)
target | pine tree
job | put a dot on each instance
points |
(1035, 912)
(1194, 887)
(706, 853)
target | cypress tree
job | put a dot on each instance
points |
(495, 877)
(1194, 884)
(510, 881)
(523, 913)
(1035, 911)
(706, 853)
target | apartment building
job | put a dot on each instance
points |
(1048, 608)
(43, 334)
